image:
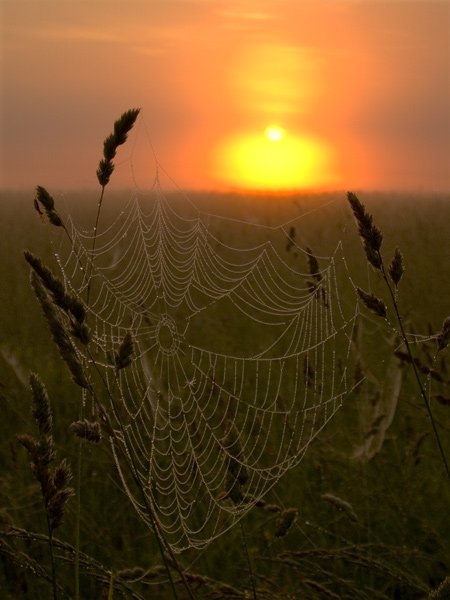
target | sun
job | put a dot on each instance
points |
(273, 159)
(274, 133)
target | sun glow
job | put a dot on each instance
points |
(274, 133)
(275, 160)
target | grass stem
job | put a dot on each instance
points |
(94, 241)
(78, 519)
(52, 556)
(249, 562)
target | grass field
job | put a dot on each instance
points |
(375, 528)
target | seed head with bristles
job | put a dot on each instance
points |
(122, 127)
(53, 482)
(59, 333)
(370, 234)
(42, 414)
(396, 268)
(124, 124)
(68, 303)
(48, 280)
(56, 506)
(373, 303)
(104, 171)
(42, 411)
(87, 430)
(342, 505)
(44, 199)
(62, 475)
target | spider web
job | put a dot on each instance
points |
(240, 358)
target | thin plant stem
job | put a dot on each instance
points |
(94, 241)
(111, 586)
(249, 562)
(78, 519)
(52, 555)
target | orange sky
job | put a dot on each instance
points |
(361, 89)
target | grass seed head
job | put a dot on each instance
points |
(122, 127)
(124, 124)
(285, 522)
(370, 234)
(44, 199)
(57, 504)
(124, 355)
(42, 411)
(60, 336)
(396, 268)
(87, 430)
(373, 303)
(62, 475)
(343, 505)
(51, 283)
(313, 265)
(109, 147)
(104, 172)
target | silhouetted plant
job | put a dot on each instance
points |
(53, 481)
(372, 239)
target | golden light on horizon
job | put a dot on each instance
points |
(275, 160)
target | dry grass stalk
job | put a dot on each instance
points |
(396, 268)
(318, 587)
(342, 505)
(53, 482)
(44, 199)
(373, 303)
(406, 358)
(370, 234)
(313, 265)
(87, 430)
(371, 237)
(72, 306)
(119, 136)
(41, 450)
(59, 334)
(285, 522)
(124, 355)
(122, 127)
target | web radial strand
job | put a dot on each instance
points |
(240, 359)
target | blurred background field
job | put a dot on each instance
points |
(391, 541)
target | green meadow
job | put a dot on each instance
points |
(367, 526)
